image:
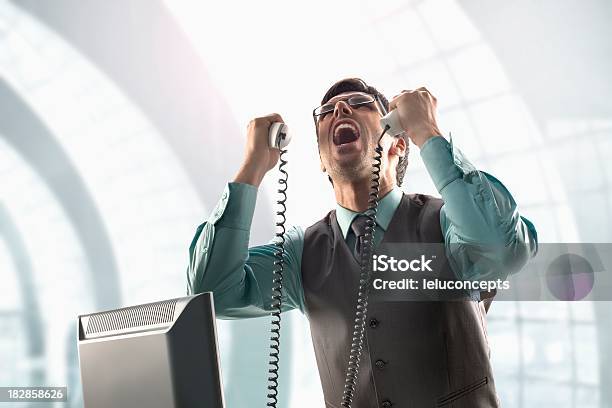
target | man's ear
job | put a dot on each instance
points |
(321, 161)
(398, 147)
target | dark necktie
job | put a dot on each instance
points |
(358, 226)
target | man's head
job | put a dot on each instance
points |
(348, 128)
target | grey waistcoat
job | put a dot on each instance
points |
(416, 354)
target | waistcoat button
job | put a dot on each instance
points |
(380, 364)
(373, 323)
(386, 404)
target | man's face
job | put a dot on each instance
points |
(347, 138)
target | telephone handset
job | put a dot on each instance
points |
(391, 120)
(279, 138)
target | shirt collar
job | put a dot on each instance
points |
(386, 208)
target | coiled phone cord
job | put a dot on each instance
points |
(277, 285)
(352, 371)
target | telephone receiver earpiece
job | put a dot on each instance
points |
(279, 136)
(391, 120)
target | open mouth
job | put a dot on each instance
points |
(345, 132)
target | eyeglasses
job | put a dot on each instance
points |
(355, 100)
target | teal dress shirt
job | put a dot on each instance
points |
(477, 209)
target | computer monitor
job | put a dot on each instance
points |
(155, 355)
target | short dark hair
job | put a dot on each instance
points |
(359, 85)
(354, 85)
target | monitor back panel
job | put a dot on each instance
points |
(156, 355)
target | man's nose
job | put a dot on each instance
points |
(342, 108)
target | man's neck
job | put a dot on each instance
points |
(354, 195)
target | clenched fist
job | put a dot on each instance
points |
(417, 114)
(259, 157)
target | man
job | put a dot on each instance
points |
(418, 354)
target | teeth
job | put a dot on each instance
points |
(345, 125)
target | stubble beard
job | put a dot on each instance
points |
(356, 170)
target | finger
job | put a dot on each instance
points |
(275, 117)
(402, 96)
(404, 91)
(424, 91)
(393, 102)
(427, 90)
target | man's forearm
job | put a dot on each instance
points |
(220, 248)
(480, 218)
(477, 205)
(250, 173)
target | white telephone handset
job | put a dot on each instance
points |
(279, 136)
(391, 119)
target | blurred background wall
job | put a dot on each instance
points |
(121, 121)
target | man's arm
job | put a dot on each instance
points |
(219, 258)
(241, 277)
(486, 238)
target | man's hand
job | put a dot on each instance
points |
(417, 114)
(259, 158)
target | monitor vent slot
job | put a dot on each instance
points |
(132, 317)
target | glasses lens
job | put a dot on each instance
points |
(353, 101)
(323, 109)
(360, 100)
